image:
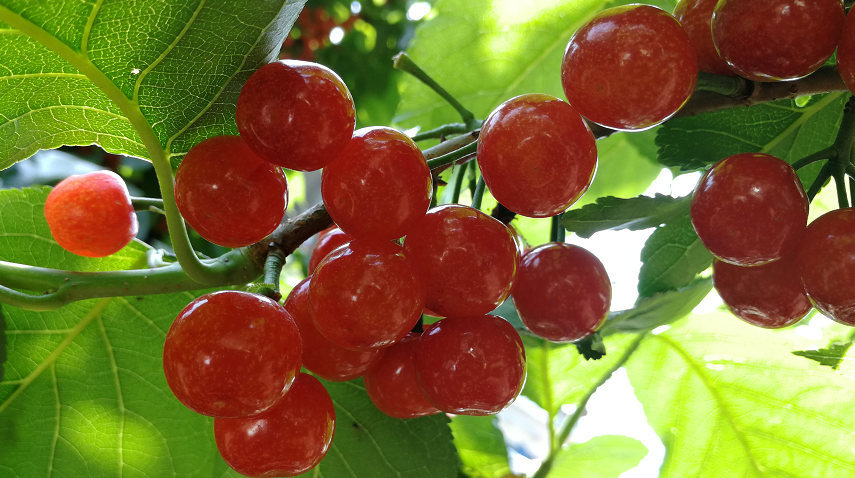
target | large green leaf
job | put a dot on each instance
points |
(615, 214)
(672, 257)
(661, 309)
(729, 399)
(606, 456)
(481, 447)
(150, 78)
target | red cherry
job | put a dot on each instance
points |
(537, 155)
(471, 365)
(231, 354)
(826, 260)
(366, 295)
(296, 114)
(392, 385)
(229, 195)
(328, 241)
(320, 356)
(846, 52)
(467, 259)
(562, 292)
(696, 17)
(379, 187)
(91, 214)
(613, 63)
(288, 439)
(750, 209)
(773, 40)
(769, 295)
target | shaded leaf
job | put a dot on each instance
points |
(481, 447)
(606, 456)
(661, 309)
(672, 256)
(591, 347)
(831, 356)
(615, 214)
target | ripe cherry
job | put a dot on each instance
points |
(613, 63)
(846, 52)
(328, 241)
(366, 295)
(769, 295)
(467, 259)
(229, 195)
(288, 439)
(91, 214)
(773, 40)
(826, 258)
(471, 365)
(231, 354)
(537, 155)
(379, 187)
(392, 385)
(320, 356)
(750, 209)
(296, 114)
(562, 292)
(696, 17)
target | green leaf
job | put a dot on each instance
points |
(2, 342)
(615, 214)
(606, 456)
(481, 446)
(672, 257)
(831, 356)
(729, 399)
(591, 347)
(782, 129)
(661, 309)
(148, 80)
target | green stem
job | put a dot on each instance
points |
(460, 174)
(820, 180)
(732, 86)
(453, 156)
(567, 426)
(147, 204)
(442, 131)
(478, 196)
(405, 63)
(840, 186)
(827, 153)
(557, 233)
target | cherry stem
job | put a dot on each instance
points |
(442, 131)
(453, 156)
(732, 86)
(148, 204)
(840, 184)
(478, 196)
(404, 63)
(272, 270)
(557, 234)
(819, 182)
(827, 153)
(460, 174)
(569, 423)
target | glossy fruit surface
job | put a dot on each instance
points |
(537, 155)
(769, 295)
(392, 385)
(228, 194)
(846, 52)
(328, 241)
(467, 259)
(562, 292)
(613, 63)
(696, 17)
(231, 354)
(288, 439)
(826, 260)
(379, 187)
(772, 40)
(750, 209)
(471, 365)
(320, 356)
(91, 214)
(366, 295)
(296, 114)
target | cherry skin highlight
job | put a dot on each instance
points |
(231, 354)
(91, 214)
(471, 365)
(328, 241)
(846, 52)
(769, 295)
(696, 17)
(612, 64)
(562, 292)
(229, 195)
(289, 439)
(366, 295)
(320, 356)
(750, 209)
(826, 258)
(774, 40)
(296, 114)
(467, 259)
(537, 155)
(379, 187)
(392, 385)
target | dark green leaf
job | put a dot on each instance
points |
(606, 456)
(2, 342)
(615, 214)
(591, 347)
(661, 309)
(831, 356)
(481, 447)
(671, 257)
